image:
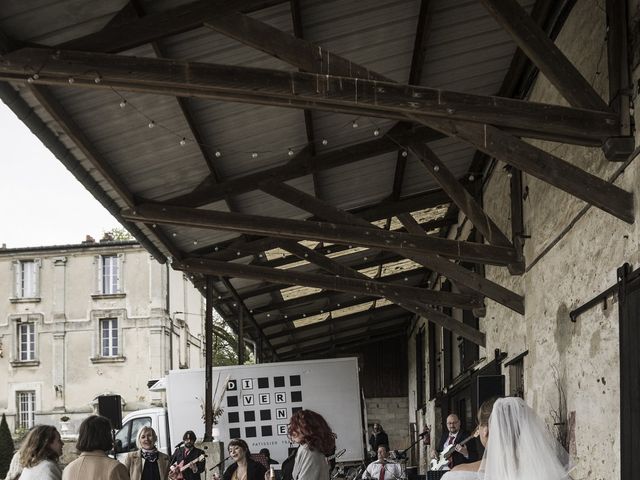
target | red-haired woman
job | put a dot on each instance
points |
(312, 432)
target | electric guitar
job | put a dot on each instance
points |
(175, 471)
(443, 461)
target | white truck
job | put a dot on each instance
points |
(257, 402)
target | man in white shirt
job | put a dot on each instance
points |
(383, 468)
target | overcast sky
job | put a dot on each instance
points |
(41, 203)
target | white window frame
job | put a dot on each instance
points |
(98, 318)
(25, 352)
(109, 337)
(25, 409)
(109, 274)
(26, 275)
(26, 337)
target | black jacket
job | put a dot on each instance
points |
(178, 456)
(255, 470)
(376, 440)
(458, 458)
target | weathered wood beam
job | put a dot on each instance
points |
(415, 277)
(451, 270)
(156, 26)
(319, 231)
(408, 304)
(304, 163)
(545, 54)
(202, 265)
(460, 196)
(246, 84)
(542, 165)
(343, 284)
(385, 315)
(349, 343)
(517, 215)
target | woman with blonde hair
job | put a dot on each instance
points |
(147, 463)
(39, 454)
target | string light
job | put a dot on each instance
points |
(182, 140)
(404, 153)
(71, 80)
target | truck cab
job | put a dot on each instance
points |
(155, 418)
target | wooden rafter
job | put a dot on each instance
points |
(455, 272)
(340, 283)
(542, 165)
(297, 89)
(319, 231)
(545, 54)
(202, 265)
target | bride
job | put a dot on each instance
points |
(521, 448)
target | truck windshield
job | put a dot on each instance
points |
(126, 436)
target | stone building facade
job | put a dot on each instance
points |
(81, 321)
(567, 371)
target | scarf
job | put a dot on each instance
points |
(149, 455)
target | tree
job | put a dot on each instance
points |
(6, 447)
(117, 234)
(225, 344)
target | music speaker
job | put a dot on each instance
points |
(489, 386)
(109, 406)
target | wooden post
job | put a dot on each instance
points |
(208, 349)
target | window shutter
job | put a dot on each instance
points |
(16, 278)
(98, 269)
(120, 273)
(37, 263)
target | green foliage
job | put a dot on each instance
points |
(118, 234)
(225, 345)
(6, 447)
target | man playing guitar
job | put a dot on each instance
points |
(187, 455)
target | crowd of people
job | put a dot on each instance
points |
(38, 457)
(516, 442)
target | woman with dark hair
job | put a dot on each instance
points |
(244, 467)
(40, 453)
(316, 439)
(147, 463)
(94, 439)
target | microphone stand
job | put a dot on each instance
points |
(220, 463)
(402, 456)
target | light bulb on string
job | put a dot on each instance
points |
(325, 141)
(254, 155)
(183, 142)
(376, 132)
(152, 124)
(218, 153)
(123, 103)
(354, 124)
(291, 152)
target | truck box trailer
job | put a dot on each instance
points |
(256, 402)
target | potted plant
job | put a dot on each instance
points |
(64, 423)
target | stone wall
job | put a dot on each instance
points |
(571, 255)
(391, 413)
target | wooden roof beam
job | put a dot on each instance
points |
(545, 54)
(319, 231)
(434, 262)
(297, 89)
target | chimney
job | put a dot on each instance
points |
(89, 239)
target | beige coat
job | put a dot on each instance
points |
(135, 463)
(95, 466)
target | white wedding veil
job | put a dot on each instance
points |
(520, 447)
